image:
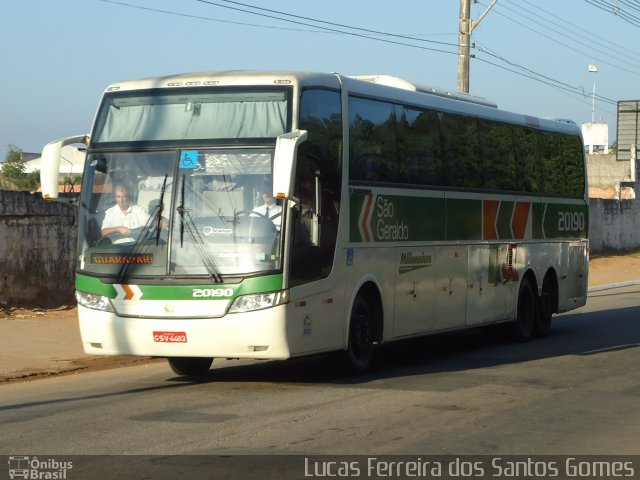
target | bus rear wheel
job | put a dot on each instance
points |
(360, 345)
(543, 318)
(190, 366)
(522, 328)
(547, 305)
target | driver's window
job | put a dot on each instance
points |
(317, 185)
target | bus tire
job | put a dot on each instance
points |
(190, 366)
(547, 305)
(542, 326)
(522, 328)
(359, 351)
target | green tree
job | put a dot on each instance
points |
(13, 175)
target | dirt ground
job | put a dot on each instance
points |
(605, 270)
(43, 342)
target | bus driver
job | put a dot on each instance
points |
(123, 217)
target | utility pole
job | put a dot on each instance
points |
(464, 42)
(464, 46)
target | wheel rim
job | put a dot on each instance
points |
(360, 337)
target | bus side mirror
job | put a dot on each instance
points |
(284, 162)
(50, 164)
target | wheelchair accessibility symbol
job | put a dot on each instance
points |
(189, 159)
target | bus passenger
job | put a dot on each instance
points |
(270, 209)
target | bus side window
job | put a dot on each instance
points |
(318, 185)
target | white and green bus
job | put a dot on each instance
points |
(402, 211)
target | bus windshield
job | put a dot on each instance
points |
(192, 212)
(193, 114)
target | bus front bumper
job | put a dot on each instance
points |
(260, 334)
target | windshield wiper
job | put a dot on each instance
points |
(201, 246)
(180, 210)
(159, 208)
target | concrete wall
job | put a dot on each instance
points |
(614, 209)
(605, 174)
(605, 170)
(37, 250)
(614, 225)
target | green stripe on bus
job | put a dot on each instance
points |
(396, 218)
(565, 221)
(538, 215)
(269, 283)
(464, 219)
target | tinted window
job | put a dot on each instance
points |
(419, 146)
(372, 141)
(318, 186)
(394, 143)
(498, 156)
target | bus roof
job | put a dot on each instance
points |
(398, 82)
(230, 77)
(381, 86)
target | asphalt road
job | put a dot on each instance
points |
(575, 392)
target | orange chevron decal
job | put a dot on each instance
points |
(520, 218)
(366, 218)
(129, 293)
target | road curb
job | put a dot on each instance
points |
(611, 286)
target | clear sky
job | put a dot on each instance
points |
(531, 56)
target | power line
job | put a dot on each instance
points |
(532, 74)
(633, 6)
(331, 29)
(333, 24)
(322, 28)
(199, 17)
(255, 25)
(568, 30)
(556, 41)
(337, 28)
(616, 10)
(576, 92)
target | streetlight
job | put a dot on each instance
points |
(593, 69)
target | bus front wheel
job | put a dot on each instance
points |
(190, 366)
(360, 345)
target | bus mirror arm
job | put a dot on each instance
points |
(50, 164)
(284, 162)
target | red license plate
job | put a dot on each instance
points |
(170, 337)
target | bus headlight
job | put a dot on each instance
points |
(260, 301)
(95, 302)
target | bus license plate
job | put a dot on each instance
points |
(170, 337)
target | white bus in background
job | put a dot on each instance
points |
(403, 211)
